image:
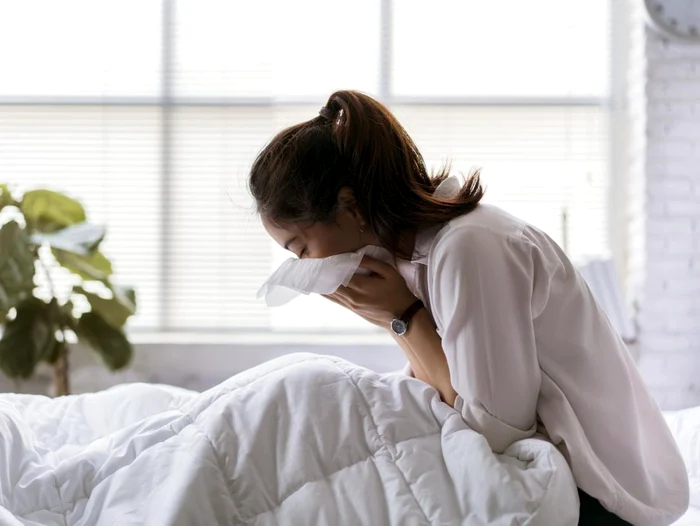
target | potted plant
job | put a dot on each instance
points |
(56, 287)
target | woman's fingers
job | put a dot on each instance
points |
(338, 300)
(361, 283)
(376, 266)
(332, 298)
(347, 295)
(335, 298)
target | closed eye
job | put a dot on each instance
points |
(303, 253)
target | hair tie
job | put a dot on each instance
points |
(326, 113)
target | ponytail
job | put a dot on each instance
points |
(355, 142)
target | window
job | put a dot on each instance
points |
(151, 112)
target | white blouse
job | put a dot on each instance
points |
(530, 351)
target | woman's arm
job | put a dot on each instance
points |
(486, 291)
(423, 348)
(482, 287)
(383, 296)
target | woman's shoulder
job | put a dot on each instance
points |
(488, 236)
(485, 221)
(485, 244)
(477, 238)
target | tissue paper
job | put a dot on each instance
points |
(319, 276)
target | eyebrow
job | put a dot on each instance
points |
(286, 245)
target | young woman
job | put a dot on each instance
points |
(488, 309)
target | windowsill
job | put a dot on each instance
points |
(199, 360)
(260, 339)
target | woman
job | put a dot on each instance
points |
(487, 309)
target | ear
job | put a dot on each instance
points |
(346, 201)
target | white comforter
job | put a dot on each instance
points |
(685, 426)
(305, 439)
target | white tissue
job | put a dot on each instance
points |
(319, 276)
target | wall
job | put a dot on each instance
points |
(663, 209)
(199, 362)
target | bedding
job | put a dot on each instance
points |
(304, 439)
(685, 426)
(691, 518)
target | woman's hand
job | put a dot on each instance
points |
(378, 298)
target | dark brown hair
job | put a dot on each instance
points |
(355, 142)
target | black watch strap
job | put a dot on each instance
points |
(411, 311)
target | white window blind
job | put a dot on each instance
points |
(152, 111)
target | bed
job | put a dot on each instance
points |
(303, 439)
(685, 426)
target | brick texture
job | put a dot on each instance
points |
(663, 242)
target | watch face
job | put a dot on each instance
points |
(399, 327)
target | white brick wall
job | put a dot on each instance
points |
(663, 259)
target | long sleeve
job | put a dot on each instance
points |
(482, 293)
(528, 347)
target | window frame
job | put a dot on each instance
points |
(167, 103)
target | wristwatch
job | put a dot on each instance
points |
(400, 324)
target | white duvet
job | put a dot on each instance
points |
(304, 439)
(685, 426)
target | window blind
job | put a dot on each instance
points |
(151, 113)
(108, 158)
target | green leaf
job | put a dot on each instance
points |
(125, 295)
(92, 266)
(28, 339)
(115, 310)
(109, 343)
(5, 196)
(48, 211)
(16, 267)
(80, 239)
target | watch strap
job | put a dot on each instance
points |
(411, 311)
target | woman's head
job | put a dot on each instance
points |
(348, 178)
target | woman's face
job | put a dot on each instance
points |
(348, 232)
(319, 240)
